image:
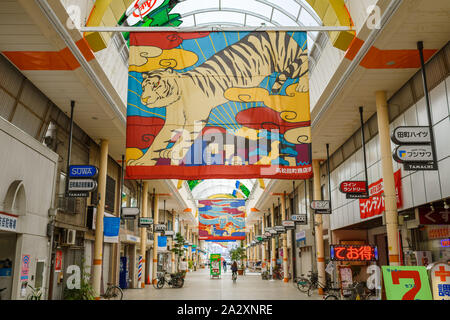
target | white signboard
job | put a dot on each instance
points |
(299, 218)
(320, 205)
(413, 154)
(288, 224)
(440, 280)
(82, 185)
(8, 222)
(141, 8)
(301, 235)
(411, 135)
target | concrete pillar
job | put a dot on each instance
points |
(390, 198)
(283, 236)
(319, 227)
(174, 235)
(155, 238)
(144, 214)
(273, 255)
(263, 252)
(98, 244)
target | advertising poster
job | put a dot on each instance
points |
(406, 283)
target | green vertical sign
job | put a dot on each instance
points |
(215, 265)
(406, 283)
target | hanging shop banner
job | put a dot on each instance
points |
(111, 227)
(221, 219)
(58, 260)
(210, 105)
(406, 283)
(374, 205)
(162, 243)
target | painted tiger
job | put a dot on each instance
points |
(244, 64)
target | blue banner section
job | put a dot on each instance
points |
(111, 226)
(162, 242)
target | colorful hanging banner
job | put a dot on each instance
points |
(211, 105)
(221, 219)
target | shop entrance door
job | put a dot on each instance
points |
(7, 255)
(383, 253)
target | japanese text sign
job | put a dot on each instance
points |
(375, 204)
(8, 222)
(422, 153)
(440, 280)
(353, 187)
(406, 283)
(353, 253)
(411, 135)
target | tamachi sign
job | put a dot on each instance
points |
(207, 105)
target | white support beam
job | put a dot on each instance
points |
(212, 29)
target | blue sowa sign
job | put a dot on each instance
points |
(83, 171)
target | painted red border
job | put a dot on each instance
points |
(9, 214)
(221, 238)
(215, 172)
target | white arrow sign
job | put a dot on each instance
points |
(428, 216)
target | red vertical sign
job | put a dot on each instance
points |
(58, 261)
(375, 204)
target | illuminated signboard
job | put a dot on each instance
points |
(445, 243)
(353, 253)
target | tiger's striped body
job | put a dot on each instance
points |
(258, 54)
(244, 64)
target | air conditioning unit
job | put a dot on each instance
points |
(69, 237)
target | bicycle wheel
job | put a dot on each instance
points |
(331, 297)
(303, 284)
(179, 282)
(155, 283)
(371, 296)
(114, 293)
(311, 287)
(160, 283)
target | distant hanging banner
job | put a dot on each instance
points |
(221, 220)
(210, 105)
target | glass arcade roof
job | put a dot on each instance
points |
(254, 13)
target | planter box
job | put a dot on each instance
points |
(240, 272)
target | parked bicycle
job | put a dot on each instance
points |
(357, 291)
(265, 275)
(310, 283)
(175, 280)
(113, 292)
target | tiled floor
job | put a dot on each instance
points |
(199, 286)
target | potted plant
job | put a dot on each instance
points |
(178, 249)
(238, 254)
